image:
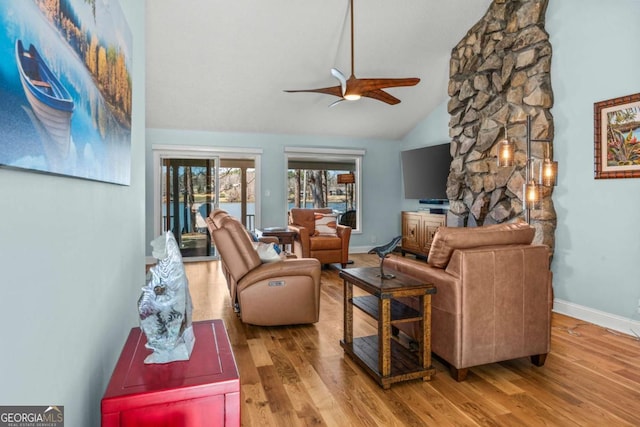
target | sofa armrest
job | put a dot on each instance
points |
(505, 302)
(301, 244)
(281, 293)
(344, 232)
(286, 268)
(269, 239)
(447, 285)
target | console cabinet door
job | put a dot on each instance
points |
(429, 225)
(411, 235)
(418, 229)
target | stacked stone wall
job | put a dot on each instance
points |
(499, 75)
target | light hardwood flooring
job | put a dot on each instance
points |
(299, 375)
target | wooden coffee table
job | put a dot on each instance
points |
(382, 355)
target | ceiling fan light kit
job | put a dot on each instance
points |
(353, 88)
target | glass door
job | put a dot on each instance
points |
(237, 189)
(189, 194)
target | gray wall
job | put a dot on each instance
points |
(72, 262)
(431, 131)
(598, 246)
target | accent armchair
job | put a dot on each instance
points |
(329, 244)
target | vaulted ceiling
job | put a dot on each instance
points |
(224, 66)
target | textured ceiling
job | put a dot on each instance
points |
(223, 66)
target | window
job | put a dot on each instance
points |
(190, 181)
(321, 178)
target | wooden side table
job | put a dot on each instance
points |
(202, 391)
(284, 234)
(382, 356)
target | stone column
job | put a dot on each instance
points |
(499, 74)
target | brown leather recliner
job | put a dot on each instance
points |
(214, 221)
(326, 249)
(284, 292)
(494, 295)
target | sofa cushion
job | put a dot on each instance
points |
(323, 243)
(325, 224)
(448, 239)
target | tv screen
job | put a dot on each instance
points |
(425, 172)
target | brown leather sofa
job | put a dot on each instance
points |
(307, 244)
(494, 295)
(285, 292)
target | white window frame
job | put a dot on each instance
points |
(161, 152)
(330, 154)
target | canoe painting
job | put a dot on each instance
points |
(66, 89)
(49, 99)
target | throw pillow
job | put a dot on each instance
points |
(267, 252)
(326, 224)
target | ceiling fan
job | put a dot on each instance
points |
(353, 88)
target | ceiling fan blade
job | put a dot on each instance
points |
(333, 104)
(333, 90)
(341, 78)
(366, 85)
(381, 95)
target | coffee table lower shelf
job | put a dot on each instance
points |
(405, 366)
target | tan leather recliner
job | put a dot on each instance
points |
(326, 249)
(214, 221)
(284, 292)
(494, 295)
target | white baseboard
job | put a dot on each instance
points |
(359, 249)
(597, 317)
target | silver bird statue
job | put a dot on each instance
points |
(383, 251)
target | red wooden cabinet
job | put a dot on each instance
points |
(203, 391)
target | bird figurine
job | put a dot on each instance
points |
(382, 252)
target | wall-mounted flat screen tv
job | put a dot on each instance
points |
(425, 171)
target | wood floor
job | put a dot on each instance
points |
(299, 376)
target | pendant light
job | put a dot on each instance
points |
(546, 175)
(506, 150)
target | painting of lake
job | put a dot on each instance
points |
(65, 88)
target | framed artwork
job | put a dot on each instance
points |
(617, 137)
(65, 88)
